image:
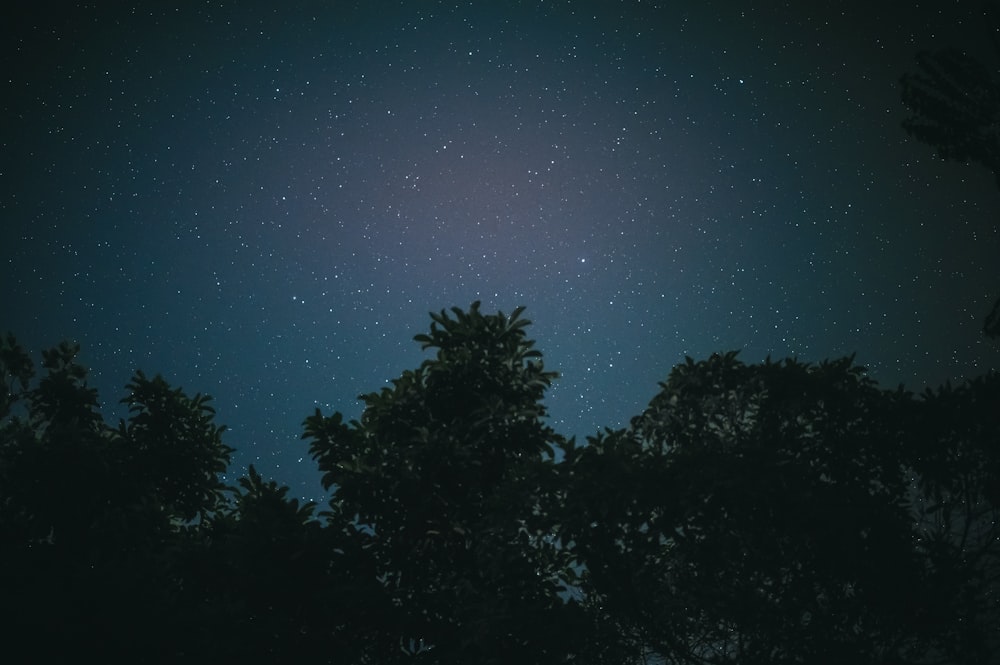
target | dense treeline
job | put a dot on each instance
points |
(766, 513)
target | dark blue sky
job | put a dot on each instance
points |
(262, 201)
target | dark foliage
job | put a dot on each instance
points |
(765, 514)
(769, 513)
(955, 105)
(954, 100)
(448, 485)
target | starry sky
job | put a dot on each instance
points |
(262, 201)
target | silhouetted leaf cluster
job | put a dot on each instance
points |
(954, 100)
(778, 512)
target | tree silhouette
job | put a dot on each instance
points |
(265, 582)
(761, 514)
(447, 482)
(174, 450)
(956, 508)
(777, 512)
(89, 514)
(955, 105)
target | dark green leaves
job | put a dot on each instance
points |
(747, 512)
(955, 101)
(447, 481)
(174, 447)
(955, 105)
(777, 512)
(16, 370)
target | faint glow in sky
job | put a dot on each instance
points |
(265, 205)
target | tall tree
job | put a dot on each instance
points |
(753, 514)
(89, 513)
(446, 482)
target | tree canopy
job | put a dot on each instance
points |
(954, 104)
(775, 512)
(954, 101)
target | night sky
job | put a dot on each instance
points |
(262, 201)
